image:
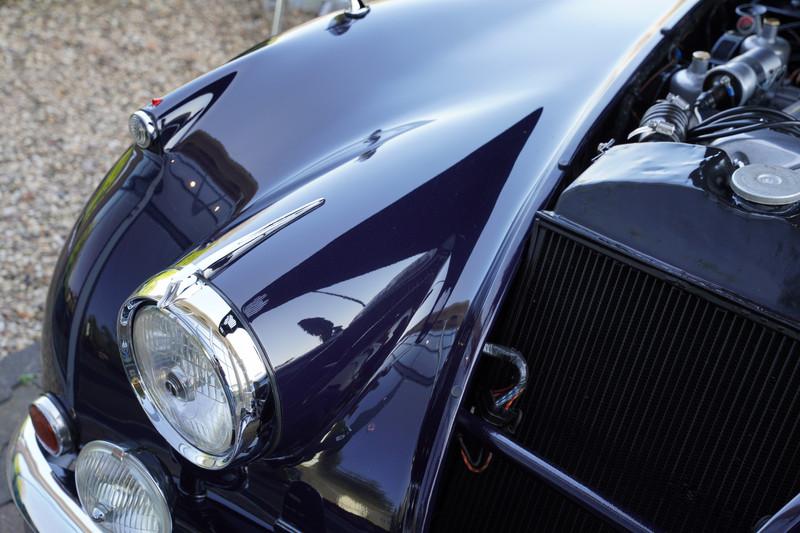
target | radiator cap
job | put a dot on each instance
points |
(767, 184)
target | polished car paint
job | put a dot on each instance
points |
(432, 150)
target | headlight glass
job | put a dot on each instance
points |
(119, 492)
(200, 375)
(175, 356)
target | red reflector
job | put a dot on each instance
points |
(156, 101)
(45, 433)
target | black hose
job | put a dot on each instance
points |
(744, 119)
(755, 110)
(786, 126)
(704, 128)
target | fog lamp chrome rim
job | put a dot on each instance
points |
(198, 301)
(155, 482)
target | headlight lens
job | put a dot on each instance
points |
(199, 374)
(119, 492)
(179, 375)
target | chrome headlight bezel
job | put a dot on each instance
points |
(255, 428)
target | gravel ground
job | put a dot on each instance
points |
(70, 74)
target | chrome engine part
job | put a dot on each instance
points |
(688, 82)
(744, 75)
(767, 37)
(762, 61)
(764, 147)
(745, 106)
(767, 184)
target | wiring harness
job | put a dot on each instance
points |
(743, 119)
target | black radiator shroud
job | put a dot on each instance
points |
(679, 407)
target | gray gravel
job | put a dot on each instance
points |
(70, 74)
(19, 386)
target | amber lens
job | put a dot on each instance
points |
(44, 431)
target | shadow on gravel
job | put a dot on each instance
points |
(19, 386)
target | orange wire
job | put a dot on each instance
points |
(473, 469)
(497, 392)
(510, 402)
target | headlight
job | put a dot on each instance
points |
(199, 373)
(119, 492)
(200, 376)
(176, 359)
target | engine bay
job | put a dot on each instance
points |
(703, 177)
(742, 97)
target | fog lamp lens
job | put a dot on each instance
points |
(119, 492)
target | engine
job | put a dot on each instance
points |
(708, 183)
(738, 98)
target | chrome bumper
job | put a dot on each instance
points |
(39, 496)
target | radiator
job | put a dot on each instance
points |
(681, 408)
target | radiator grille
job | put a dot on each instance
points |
(680, 409)
(503, 499)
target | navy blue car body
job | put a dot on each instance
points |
(433, 131)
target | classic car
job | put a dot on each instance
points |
(432, 265)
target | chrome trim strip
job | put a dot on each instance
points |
(207, 261)
(43, 502)
(221, 255)
(786, 519)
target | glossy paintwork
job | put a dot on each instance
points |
(433, 131)
(671, 203)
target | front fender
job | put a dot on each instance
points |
(372, 308)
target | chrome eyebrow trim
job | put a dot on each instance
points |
(225, 254)
(207, 261)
